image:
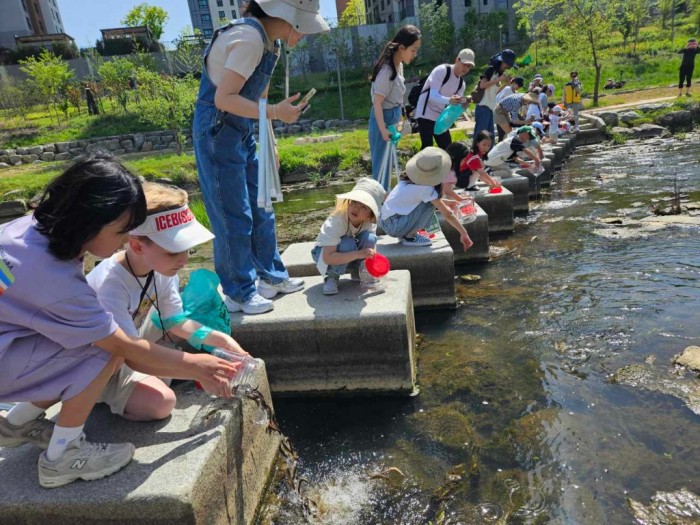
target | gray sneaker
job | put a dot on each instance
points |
(257, 304)
(37, 432)
(84, 460)
(330, 286)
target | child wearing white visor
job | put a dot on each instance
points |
(141, 282)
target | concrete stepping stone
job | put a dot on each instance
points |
(208, 463)
(519, 186)
(432, 268)
(498, 207)
(478, 232)
(359, 341)
(536, 183)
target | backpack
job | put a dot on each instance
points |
(417, 90)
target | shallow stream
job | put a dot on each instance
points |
(520, 418)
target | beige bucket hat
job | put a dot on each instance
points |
(368, 192)
(428, 167)
(304, 15)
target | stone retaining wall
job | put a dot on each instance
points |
(144, 142)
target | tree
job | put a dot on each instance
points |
(189, 49)
(299, 57)
(353, 15)
(583, 28)
(438, 32)
(151, 16)
(116, 76)
(50, 75)
(665, 7)
(173, 109)
(480, 30)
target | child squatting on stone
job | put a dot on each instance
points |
(139, 286)
(57, 342)
(348, 236)
(411, 204)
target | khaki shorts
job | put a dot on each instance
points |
(501, 117)
(119, 388)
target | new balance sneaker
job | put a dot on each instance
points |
(417, 240)
(268, 291)
(330, 286)
(37, 432)
(257, 304)
(84, 460)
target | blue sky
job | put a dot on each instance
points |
(83, 19)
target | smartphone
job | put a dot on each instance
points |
(465, 100)
(306, 99)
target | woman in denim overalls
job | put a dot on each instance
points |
(245, 246)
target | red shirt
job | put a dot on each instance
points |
(471, 162)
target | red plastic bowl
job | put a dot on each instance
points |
(378, 265)
(497, 189)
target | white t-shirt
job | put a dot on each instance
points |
(118, 291)
(533, 110)
(333, 229)
(405, 197)
(239, 49)
(553, 124)
(489, 98)
(434, 81)
(504, 93)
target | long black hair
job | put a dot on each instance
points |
(483, 134)
(406, 37)
(252, 8)
(92, 193)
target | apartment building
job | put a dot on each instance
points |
(209, 15)
(28, 18)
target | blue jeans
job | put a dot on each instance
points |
(407, 225)
(483, 120)
(377, 144)
(365, 239)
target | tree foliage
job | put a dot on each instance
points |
(50, 75)
(354, 14)
(153, 17)
(116, 76)
(582, 27)
(438, 32)
(479, 30)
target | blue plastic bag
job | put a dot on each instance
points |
(448, 117)
(203, 303)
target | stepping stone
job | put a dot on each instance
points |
(586, 137)
(535, 183)
(519, 186)
(432, 268)
(359, 341)
(498, 207)
(478, 232)
(208, 463)
(559, 156)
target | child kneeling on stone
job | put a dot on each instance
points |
(139, 286)
(411, 204)
(348, 236)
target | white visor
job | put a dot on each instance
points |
(174, 230)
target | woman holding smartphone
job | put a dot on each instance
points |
(237, 68)
(388, 91)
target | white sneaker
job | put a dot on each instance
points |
(330, 286)
(255, 305)
(268, 291)
(37, 432)
(84, 460)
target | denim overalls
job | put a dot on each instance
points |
(245, 245)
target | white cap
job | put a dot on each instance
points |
(174, 230)
(466, 56)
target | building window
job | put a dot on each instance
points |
(467, 3)
(206, 18)
(220, 3)
(486, 2)
(233, 14)
(222, 15)
(204, 4)
(207, 32)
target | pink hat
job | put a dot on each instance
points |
(174, 230)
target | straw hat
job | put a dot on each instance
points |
(303, 15)
(530, 98)
(368, 192)
(428, 167)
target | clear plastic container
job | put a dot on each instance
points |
(246, 376)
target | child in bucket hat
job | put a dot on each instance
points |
(349, 236)
(139, 286)
(411, 204)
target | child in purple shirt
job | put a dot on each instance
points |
(56, 342)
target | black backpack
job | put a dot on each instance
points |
(417, 90)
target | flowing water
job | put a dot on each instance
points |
(520, 417)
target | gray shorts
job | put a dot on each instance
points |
(119, 388)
